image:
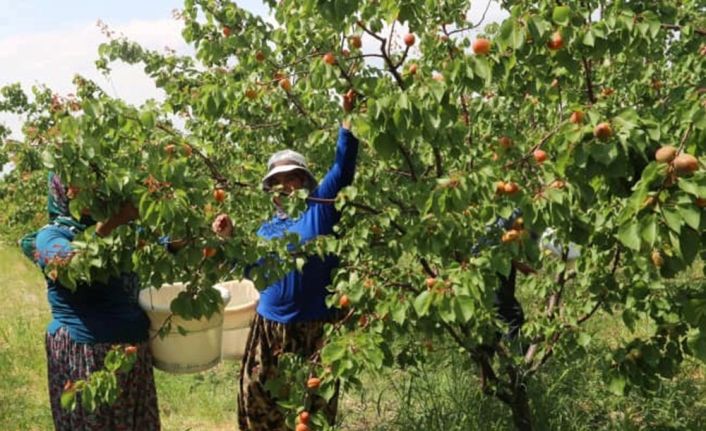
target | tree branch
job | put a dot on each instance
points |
(589, 80)
(292, 98)
(391, 67)
(482, 18)
(700, 31)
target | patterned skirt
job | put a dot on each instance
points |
(257, 408)
(136, 407)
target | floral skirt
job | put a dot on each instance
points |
(136, 407)
(267, 340)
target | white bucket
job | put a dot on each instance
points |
(199, 349)
(238, 315)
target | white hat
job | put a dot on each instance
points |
(287, 161)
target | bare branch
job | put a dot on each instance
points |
(589, 79)
(482, 18)
(700, 31)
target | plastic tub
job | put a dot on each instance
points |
(238, 315)
(199, 349)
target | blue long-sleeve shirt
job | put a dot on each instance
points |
(95, 313)
(300, 295)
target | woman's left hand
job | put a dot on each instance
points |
(125, 214)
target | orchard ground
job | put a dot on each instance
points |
(437, 395)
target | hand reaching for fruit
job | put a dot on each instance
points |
(127, 213)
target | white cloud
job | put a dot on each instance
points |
(54, 57)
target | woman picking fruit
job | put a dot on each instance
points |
(88, 322)
(292, 311)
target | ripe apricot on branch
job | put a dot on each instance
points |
(540, 156)
(130, 350)
(576, 117)
(285, 84)
(505, 142)
(603, 131)
(344, 302)
(511, 188)
(329, 59)
(556, 41)
(481, 46)
(302, 427)
(226, 31)
(186, 150)
(409, 39)
(685, 164)
(304, 417)
(657, 258)
(412, 69)
(251, 93)
(219, 195)
(313, 383)
(666, 154)
(431, 282)
(355, 42)
(208, 252)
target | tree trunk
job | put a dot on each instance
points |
(521, 415)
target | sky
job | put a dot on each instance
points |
(49, 41)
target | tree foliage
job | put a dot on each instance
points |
(449, 144)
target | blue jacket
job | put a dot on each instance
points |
(301, 296)
(96, 313)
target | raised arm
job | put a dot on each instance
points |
(341, 173)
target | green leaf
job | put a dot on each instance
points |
(617, 385)
(691, 214)
(697, 344)
(465, 307)
(423, 302)
(673, 220)
(561, 15)
(589, 39)
(689, 187)
(629, 235)
(583, 339)
(648, 230)
(68, 400)
(481, 68)
(689, 245)
(385, 145)
(399, 313)
(147, 119)
(333, 351)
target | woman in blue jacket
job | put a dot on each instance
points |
(87, 322)
(292, 311)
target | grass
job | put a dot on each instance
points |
(444, 394)
(441, 394)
